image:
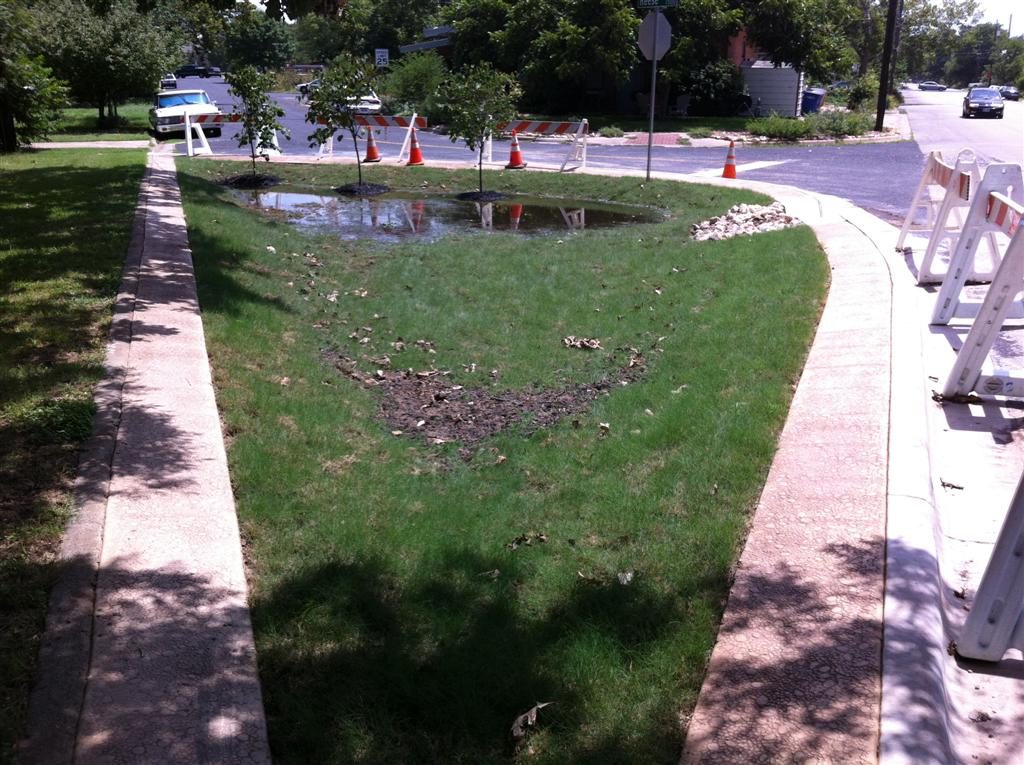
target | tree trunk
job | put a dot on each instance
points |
(359, 165)
(480, 166)
(8, 133)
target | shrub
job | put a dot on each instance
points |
(715, 89)
(837, 124)
(611, 131)
(413, 82)
(780, 128)
(863, 93)
(699, 132)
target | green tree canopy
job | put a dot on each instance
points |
(347, 79)
(108, 57)
(259, 115)
(254, 39)
(476, 100)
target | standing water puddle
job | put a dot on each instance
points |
(400, 215)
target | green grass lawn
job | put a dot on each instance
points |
(82, 124)
(65, 220)
(411, 599)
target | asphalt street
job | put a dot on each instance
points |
(878, 177)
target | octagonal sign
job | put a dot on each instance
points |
(655, 36)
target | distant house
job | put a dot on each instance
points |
(771, 88)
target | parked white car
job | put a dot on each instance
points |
(167, 114)
(168, 81)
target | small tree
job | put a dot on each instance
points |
(477, 99)
(331, 106)
(259, 114)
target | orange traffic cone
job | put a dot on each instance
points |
(415, 155)
(372, 155)
(515, 212)
(730, 162)
(515, 159)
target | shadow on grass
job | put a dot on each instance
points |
(435, 668)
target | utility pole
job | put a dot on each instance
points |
(883, 80)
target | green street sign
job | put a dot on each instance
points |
(657, 4)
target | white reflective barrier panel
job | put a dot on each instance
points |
(1004, 179)
(994, 624)
(960, 184)
(937, 179)
(966, 375)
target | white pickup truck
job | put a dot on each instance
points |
(167, 114)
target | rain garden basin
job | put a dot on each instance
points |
(401, 215)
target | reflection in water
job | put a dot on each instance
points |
(397, 215)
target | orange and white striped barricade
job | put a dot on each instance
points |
(957, 182)
(994, 624)
(577, 131)
(967, 374)
(377, 122)
(1005, 180)
(937, 181)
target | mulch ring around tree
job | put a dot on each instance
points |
(251, 181)
(362, 189)
(428, 406)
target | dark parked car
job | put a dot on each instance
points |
(931, 85)
(1009, 92)
(187, 70)
(983, 101)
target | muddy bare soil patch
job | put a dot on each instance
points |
(251, 181)
(428, 406)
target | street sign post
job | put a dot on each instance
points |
(655, 39)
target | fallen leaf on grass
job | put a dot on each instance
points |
(527, 540)
(583, 343)
(527, 720)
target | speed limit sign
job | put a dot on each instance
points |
(381, 56)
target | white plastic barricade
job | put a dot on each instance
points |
(958, 181)
(936, 179)
(190, 148)
(578, 131)
(994, 624)
(967, 375)
(200, 123)
(1003, 179)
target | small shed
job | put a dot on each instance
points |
(773, 88)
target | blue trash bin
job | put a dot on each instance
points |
(812, 100)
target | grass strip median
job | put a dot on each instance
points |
(65, 222)
(419, 592)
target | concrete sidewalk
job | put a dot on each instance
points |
(148, 655)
